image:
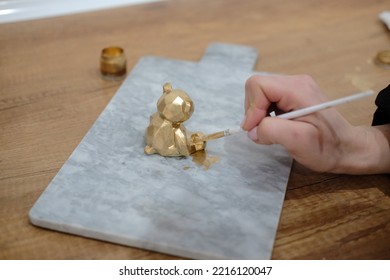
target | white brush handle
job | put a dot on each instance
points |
(322, 106)
(308, 110)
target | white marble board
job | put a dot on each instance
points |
(110, 190)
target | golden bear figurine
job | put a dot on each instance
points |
(166, 135)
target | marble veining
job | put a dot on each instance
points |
(110, 190)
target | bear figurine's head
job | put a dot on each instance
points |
(175, 105)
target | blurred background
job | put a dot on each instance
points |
(20, 10)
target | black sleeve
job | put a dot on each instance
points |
(382, 113)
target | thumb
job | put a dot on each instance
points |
(291, 134)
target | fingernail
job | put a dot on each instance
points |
(243, 122)
(253, 134)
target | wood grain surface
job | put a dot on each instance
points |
(51, 92)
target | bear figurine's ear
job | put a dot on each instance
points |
(167, 88)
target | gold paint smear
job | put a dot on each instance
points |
(202, 159)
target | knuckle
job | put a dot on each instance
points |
(251, 81)
(308, 80)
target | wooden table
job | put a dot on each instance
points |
(51, 92)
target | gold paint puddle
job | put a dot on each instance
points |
(202, 159)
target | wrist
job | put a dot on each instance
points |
(365, 151)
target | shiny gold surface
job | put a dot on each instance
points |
(175, 106)
(166, 135)
(113, 63)
(197, 142)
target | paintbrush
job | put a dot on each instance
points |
(294, 114)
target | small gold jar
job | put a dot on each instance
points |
(383, 59)
(113, 63)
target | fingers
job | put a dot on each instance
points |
(288, 92)
(295, 136)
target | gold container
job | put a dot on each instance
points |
(383, 58)
(113, 63)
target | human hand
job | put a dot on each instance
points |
(323, 141)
